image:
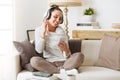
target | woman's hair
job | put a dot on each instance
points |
(51, 9)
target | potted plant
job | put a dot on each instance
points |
(88, 14)
(89, 11)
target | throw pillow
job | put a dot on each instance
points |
(26, 50)
(109, 55)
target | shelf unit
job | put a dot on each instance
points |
(93, 33)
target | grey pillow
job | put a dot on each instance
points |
(109, 55)
(27, 51)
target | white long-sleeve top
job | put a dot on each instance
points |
(49, 45)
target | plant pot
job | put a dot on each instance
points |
(87, 18)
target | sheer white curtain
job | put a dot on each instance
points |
(7, 62)
(6, 26)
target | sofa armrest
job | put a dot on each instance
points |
(18, 66)
(9, 65)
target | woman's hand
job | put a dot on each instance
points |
(63, 47)
(44, 28)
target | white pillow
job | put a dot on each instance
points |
(90, 49)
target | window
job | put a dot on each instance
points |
(6, 26)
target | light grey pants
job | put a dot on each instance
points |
(40, 64)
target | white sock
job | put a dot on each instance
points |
(72, 72)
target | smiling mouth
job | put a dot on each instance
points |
(56, 23)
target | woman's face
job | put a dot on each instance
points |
(55, 19)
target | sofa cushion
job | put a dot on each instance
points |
(90, 49)
(109, 55)
(92, 73)
(27, 51)
(97, 73)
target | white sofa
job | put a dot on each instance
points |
(87, 71)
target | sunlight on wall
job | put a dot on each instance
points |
(7, 63)
(6, 21)
(6, 42)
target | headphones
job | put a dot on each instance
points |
(49, 12)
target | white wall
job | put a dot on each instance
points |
(108, 12)
(28, 14)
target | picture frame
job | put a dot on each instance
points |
(31, 35)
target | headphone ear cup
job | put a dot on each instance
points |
(62, 20)
(47, 15)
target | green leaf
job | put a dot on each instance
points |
(89, 11)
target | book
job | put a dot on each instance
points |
(88, 25)
(42, 74)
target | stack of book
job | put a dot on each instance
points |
(88, 25)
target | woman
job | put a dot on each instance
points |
(50, 39)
